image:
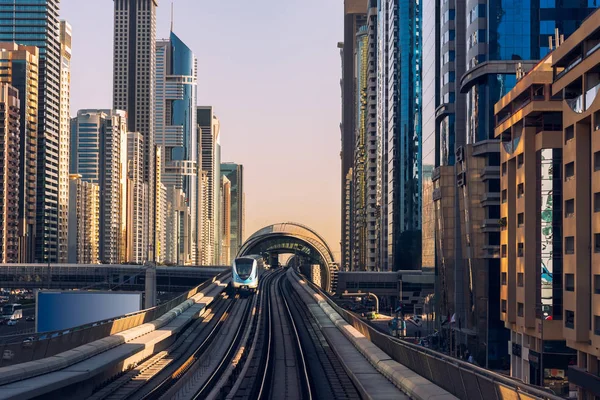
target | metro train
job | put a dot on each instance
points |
(245, 272)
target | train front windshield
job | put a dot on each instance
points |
(244, 267)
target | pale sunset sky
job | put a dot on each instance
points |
(271, 70)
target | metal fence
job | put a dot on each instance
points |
(22, 348)
(463, 380)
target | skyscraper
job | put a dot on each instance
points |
(36, 24)
(361, 154)
(225, 258)
(23, 64)
(63, 140)
(235, 174)
(134, 85)
(84, 221)
(137, 232)
(209, 129)
(206, 250)
(9, 173)
(403, 77)
(97, 155)
(354, 18)
(176, 128)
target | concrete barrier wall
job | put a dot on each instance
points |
(15, 350)
(459, 378)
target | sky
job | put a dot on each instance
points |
(271, 70)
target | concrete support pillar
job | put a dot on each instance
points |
(150, 286)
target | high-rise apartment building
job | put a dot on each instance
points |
(206, 250)
(403, 76)
(134, 85)
(354, 18)
(84, 221)
(9, 173)
(63, 140)
(235, 175)
(97, 154)
(209, 130)
(365, 254)
(161, 217)
(22, 66)
(36, 24)
(137, 232)
(175, 123)
(359, 209)
(225, 258)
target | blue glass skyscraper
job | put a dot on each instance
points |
(35, 23)
(175, 124)
(402, 130)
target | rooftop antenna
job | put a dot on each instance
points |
(171, 16)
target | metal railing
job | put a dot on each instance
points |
(462, 379)
(17, 349)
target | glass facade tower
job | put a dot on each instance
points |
(35, 23)
(403, 79)
(175, 123)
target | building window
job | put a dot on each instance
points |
(520, 190)
(504, 278)
(597, 202)
(569, 171)
(519, 279)
(596, 325)
(520, 160)
(570, 245)
(503, 168)
(569, 134)
(569, 282)
(504, 196)
(520, 250)
(569, 319)
(597, 161)
(504, 307)
(503, 249)
(520, 220)
(570, 208)
(519, 309)
(596, 242)
(597, 284)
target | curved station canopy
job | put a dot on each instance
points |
(296, 239)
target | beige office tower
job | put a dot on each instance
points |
(136, 192)
(9, 173)
(528, 127)
(159, 227)
(134, 85)
(179, 239)
(63, 141)
(225, 221)
(576, 64)
(84, 221)
(22, 72)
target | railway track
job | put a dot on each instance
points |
(134, 383)
(266, 346)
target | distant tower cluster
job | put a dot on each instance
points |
(138, 183)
